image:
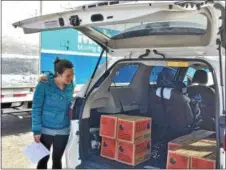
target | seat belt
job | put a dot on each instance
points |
(164, 108)
(163, 102)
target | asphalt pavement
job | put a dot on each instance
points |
(16, 135)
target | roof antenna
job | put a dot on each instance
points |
(145, 54)
(156, 52)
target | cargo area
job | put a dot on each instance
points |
(95, 160)
(199, 142)
(178, 130)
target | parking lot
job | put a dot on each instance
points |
(16, 135)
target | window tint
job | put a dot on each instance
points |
(190, 74)
(169, 73)
(189, 25)
(124, 75)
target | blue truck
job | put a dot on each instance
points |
(72, 45)
(81, 51)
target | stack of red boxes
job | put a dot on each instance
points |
(192, 151)
(126, 139)
(108, 127)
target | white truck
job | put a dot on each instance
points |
(19, 77)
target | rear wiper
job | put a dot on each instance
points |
(94, 72)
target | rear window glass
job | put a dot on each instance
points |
(191, 72)
(124, 75)
(189, 75)
(169, 73)
(192, 25)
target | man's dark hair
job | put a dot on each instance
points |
(60, 65)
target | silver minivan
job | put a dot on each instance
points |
(164, 60)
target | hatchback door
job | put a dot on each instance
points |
(140, 24)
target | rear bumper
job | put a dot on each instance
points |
(27, 98)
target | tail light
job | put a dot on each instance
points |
(19, 95)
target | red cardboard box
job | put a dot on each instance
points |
(133, 154)
(197, 155)
(108, 125)
(208, 162)
(189, 139)
(108, 148)
(134, 129)
(177, 161)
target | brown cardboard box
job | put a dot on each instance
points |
(134, 129)
(208, 162)
(192, 155)
(177, 161)
(108, 148)
(133, 154)
(189, 139)
(108, 125)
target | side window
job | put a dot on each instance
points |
(168, 73)
(124, 75)
(154, 74)
(190, 74)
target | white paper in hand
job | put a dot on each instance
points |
(36, 151)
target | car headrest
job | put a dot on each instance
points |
(166, 92)
(165, 78)
(180, 86)
(200, 77)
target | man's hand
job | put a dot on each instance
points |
(42, 77)
(37, 138)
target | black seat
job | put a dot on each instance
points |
(204, 97)
(173, 112)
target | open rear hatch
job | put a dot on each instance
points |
(139, 24)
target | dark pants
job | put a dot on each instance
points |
(59, 144)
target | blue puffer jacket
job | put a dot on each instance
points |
(50, 106)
